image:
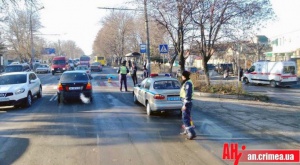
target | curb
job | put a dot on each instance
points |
(236, 97)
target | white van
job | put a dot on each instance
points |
(273, 73)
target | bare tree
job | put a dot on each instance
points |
(17, 32)
(174, 16)
(219, 20)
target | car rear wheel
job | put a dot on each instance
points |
(149, 111)
(40, 93)
(135, 99)
(28, 101)
(273, 84)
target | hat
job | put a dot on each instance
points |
(186, 74)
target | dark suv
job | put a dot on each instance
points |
(17, 68)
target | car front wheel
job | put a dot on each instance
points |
(40, 93)
(28, 101)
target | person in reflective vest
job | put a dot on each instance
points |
(186, 95)
(123, 71)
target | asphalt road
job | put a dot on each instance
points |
(114, 130)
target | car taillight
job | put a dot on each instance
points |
(159, 97)
(88, 86)
(60, 87)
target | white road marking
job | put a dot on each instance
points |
(52, 98)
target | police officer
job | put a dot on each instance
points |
(123, 71)
(186, 94)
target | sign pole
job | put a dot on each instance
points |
(164, 62)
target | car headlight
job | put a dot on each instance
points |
(19, 91)
(64, 68)
(52, 68)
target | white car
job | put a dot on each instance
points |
(18, 89)
(43, 68)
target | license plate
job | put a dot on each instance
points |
(74, 88)
(173, 98)
(4, 99)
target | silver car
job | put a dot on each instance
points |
(158, 93)
(43, 68)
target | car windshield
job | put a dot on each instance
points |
(96, 63)
(74, 77)
(13, 79)
(82, 68)
(289, 69)
(57, 62)
(166, 84)
(84, 58)
(42, 66)
(15, 68)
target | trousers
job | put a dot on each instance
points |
(123, 79)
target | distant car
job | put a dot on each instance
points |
(190, 69)
(158, 93)
(17, 68)
(74, 85)
(84, 68)
(71, 64)
(14, 63)
(43, 68)
(59, 64)
(96, 66)
(18, 89)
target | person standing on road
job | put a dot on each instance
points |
(133, 74)
(186, 95)
(123, 71)
(145, 72)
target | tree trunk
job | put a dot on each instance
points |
(204, 63)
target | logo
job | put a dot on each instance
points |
(231, 152)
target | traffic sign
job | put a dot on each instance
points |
(143, 48)
(163, 48)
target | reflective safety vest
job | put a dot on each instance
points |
(182, 90)
(123, 70)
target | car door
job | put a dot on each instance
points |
(140, 91)
(34, 83)
(144, 92)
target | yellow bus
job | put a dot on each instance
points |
(100, 59)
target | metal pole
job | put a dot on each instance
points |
(148, 41)
(164, 62)
(31, 41)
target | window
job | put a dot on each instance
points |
(100, 58)
(74, 76)
(59, 62)
(13, 79)
(147, 85)
(14, 68)
(166, 84)
(289, 69)
(252, 69)
(32, 76)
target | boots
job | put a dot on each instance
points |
(191, 133)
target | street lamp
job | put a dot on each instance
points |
(31, 35)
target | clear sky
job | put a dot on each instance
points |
(78, 20)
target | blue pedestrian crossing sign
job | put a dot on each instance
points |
(163, 48)
(143, 48)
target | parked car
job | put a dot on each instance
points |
(96, 66)
(43, 68)
(190, 69)
(18, 89)
(273, 73)
(84, 68)
(74, 85)
(17, 68)
(158, 93)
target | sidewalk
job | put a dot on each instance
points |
(266, 122)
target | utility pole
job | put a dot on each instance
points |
(31, 35)
(146, 27)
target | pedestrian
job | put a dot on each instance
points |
(241, 73)
(129, 64)
(123, 71)
(133, 74)
(146, 74)
(186, 95)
